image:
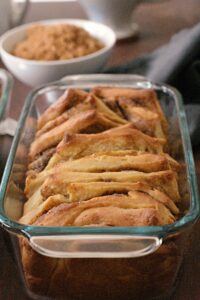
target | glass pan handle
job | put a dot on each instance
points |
(98, 246)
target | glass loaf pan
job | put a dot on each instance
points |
(159, 248)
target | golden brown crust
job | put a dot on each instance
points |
(33, 201)
(68, 99)
(164, 180)
(101, 162)
(141, 97)
(112, 210)
(105, 161)
(81, 122)
(57, 183)
(121, 138)
(90, 103)
(138, 97)
(55, 135)
(135, 209)
(81, 191)
(76, 109)
(104, 109)
(34, 214)
(144, 119)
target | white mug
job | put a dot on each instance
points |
(116, 14)
(11, 14)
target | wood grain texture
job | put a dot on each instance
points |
(158, 22)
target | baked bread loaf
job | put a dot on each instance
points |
(100, 158)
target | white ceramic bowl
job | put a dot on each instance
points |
(34, 72)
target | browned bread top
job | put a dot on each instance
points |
(103, 146)
(113, 210)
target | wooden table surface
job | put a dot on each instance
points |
(158, 22)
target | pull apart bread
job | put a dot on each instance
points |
(99, 158)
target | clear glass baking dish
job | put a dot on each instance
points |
(135, 243)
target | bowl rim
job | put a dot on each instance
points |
(74, 21)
